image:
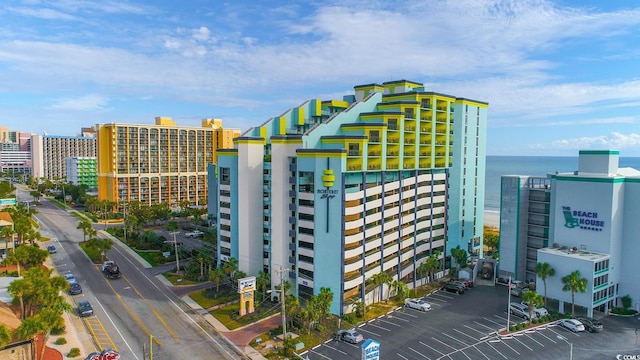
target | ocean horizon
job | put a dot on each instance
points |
(497, 166)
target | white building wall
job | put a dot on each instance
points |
(565, 265)
(280, 212)
(629, 273)
(250, 198)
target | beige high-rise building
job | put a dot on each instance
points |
(49, 154)
(161, 163)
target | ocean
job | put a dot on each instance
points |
(530, 165)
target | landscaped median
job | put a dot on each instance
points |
(549, 320)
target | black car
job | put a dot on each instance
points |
(590, 324)
(85, 309)
(455, 288)
(51, 249)
(75, 288)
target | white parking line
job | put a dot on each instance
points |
(443, 343)
(490, 328)
(434, 349)
(512, 349)
(415, 351)
(478, 350)
(491, 321)
(476, 330)
(338, 350)
(379, 327)
(370, 332)
(390, 323)
(455, 339)
(531, 337)
(548, 338)
(465, 334)
(523, 344)
(496, 350)
(406, 313)
(401, 356)
(315, 352)
(440, 294)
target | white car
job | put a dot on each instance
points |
(351, 336)
(70, 278)
(538, 311)
(572, 324)
(417, 304)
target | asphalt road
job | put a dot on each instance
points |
(464, 327)
(135, 310)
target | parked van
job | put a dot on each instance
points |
(519, 310)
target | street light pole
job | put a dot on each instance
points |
(509, 305)
(570, 345)
(175, 244)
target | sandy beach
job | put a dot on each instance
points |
(492, 219)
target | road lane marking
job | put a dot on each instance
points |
(416, 351)
(132, 314)
(432, 348)
(153, 310)
(117, 330)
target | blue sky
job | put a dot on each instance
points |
(560, 76)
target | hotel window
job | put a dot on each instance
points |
(354, 149)
(393, 124)
(374, 136)
(225, 176)
(408, 114)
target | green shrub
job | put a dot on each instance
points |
(512, 328)
(534, 321)
(58, 330)
(73, 352)
(61, 341)
(350, 318)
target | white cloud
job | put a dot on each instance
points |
(81, 103)
(615, 140)
(201, 34)
(42, 13)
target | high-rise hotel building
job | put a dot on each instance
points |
(50, 153)
(334, 192)
(158, 163)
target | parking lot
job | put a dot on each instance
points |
(465, 327)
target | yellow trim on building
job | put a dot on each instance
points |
(322, 154)
(472, 103)
(252, 141)
(286, 140)
(335, 103)
(300, 115)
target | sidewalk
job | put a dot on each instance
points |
(239, 338)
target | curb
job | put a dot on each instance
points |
(140, 259)
(523, 331)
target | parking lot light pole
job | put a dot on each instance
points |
(509, 304)
(570, 345)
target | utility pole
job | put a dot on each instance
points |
(175, 244)
(282, 298)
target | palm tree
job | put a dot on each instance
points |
(263, 282)
(5, 336)
(84, 225)
(423, 270)
(433, 264)
(377, 280)
(7, 234)
(460, 256)
(574, 283)
(216, 275)
(325, 298)
(544, 270)
(533, 300)
(230, 266)
(18, 289)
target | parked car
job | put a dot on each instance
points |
(75, 288)
(417, 304)
(518, 291)
(455, 288)
(590, 324)
(70, 278)
(351, 336)
(194, 234)
(458, 282)
(467, 282)
(537, 311)
(572, 324)
(519, 310)
(85, 308)
(52, 249)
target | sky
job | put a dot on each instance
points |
(559, 76)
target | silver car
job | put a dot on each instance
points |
(351, 336)
(417, 304)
